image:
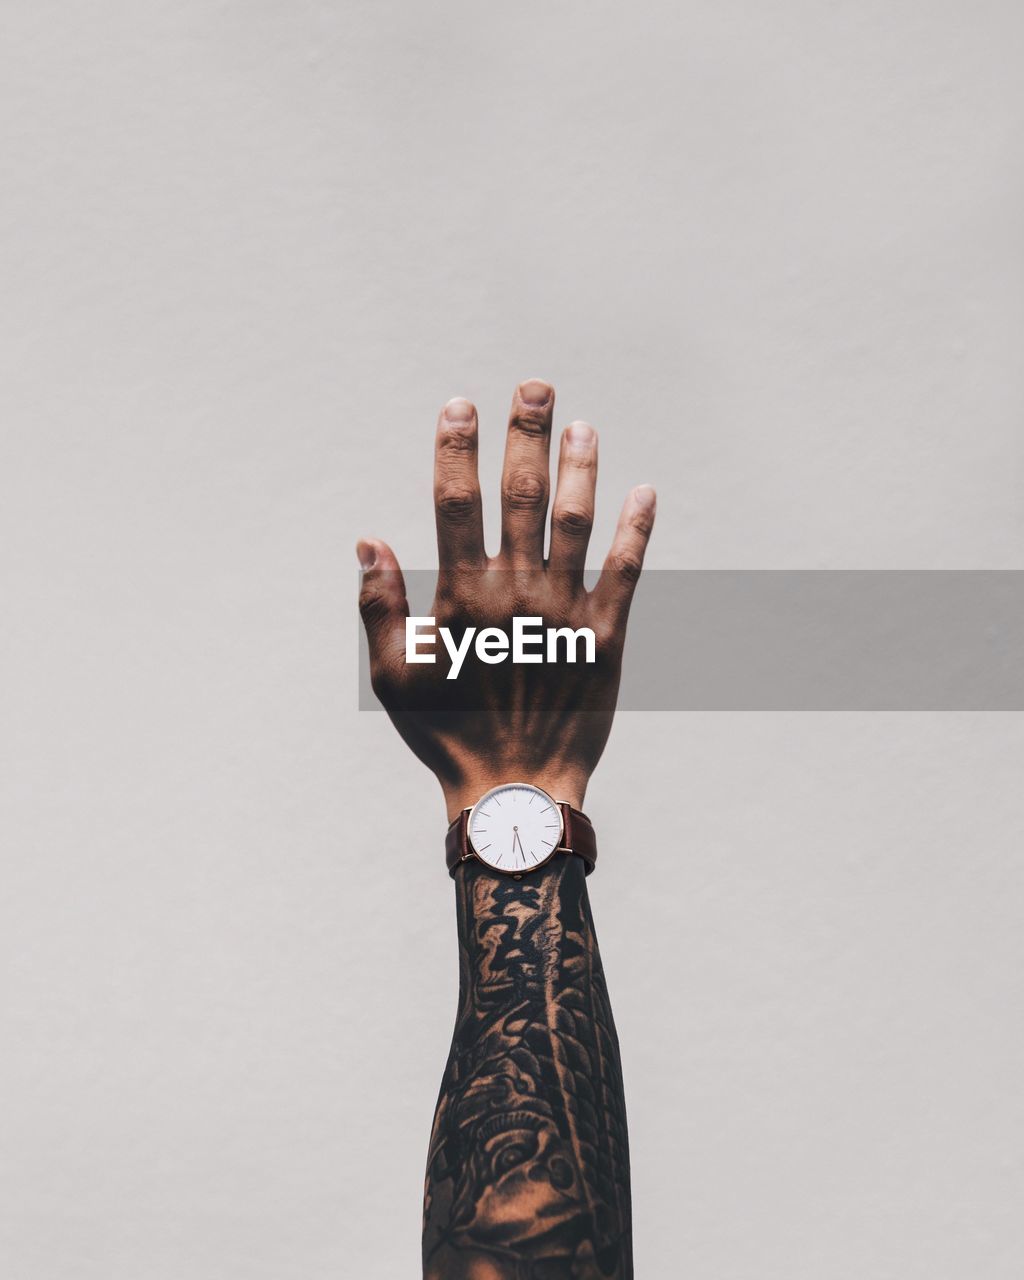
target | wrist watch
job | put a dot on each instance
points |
(516, 828)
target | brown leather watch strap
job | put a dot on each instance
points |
(456, 847)
(577, 837)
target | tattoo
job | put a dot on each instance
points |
(528, 1171)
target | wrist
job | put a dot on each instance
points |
(563, 785)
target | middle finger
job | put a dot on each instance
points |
(524, 478)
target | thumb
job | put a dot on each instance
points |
(382, 602)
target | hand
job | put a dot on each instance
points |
(546, 724)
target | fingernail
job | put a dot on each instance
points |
(580, 434)
(367, 554)
(534, 392)
(645, 496)
(458, 410)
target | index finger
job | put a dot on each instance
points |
(457, 504)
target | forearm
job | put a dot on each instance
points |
(528, 1172)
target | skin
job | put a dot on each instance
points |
(545, 724)
(528, 1169)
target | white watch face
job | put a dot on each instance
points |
(515, 827)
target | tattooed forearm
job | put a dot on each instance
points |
(528, 1172)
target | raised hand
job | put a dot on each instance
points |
(547, 724)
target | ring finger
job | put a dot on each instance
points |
(572, 513)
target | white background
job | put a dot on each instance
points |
(773, 252)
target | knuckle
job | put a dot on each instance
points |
(525, 491)
(642, 521)
(572, 520)
(580, 459)
(453, 601)
(626, 565)
(373, 605)
(531, 422)
(457, 439)
(456, 503)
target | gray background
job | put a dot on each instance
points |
(773, 252)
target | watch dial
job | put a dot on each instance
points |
(515, 827)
